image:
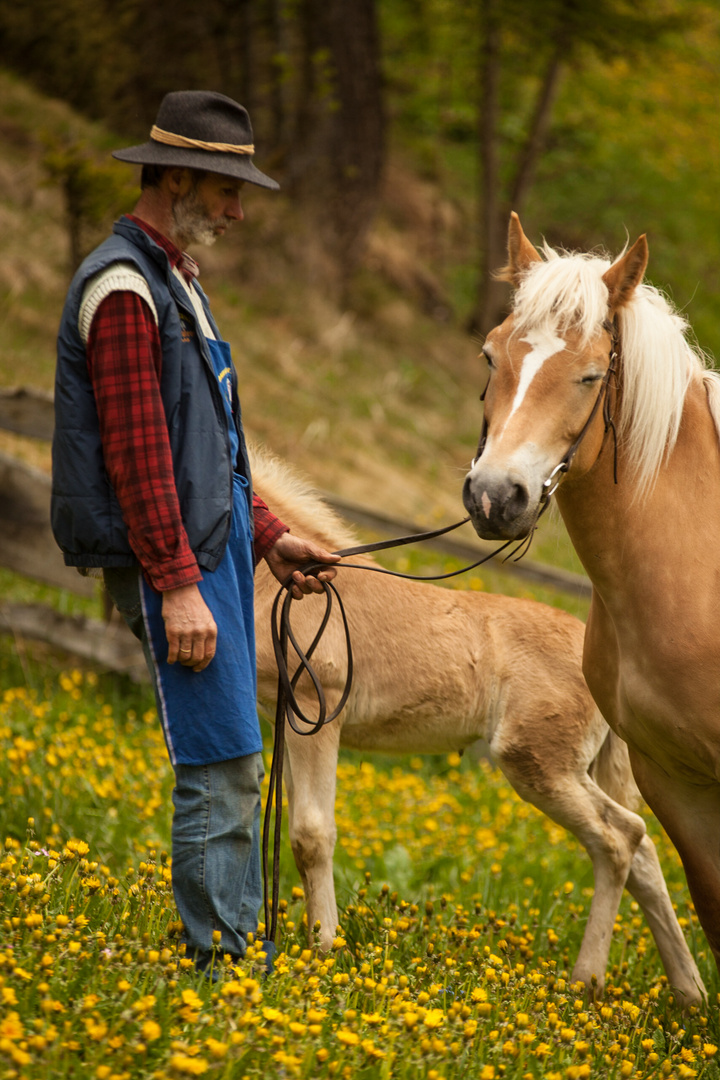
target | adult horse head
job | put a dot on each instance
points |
(595, 391)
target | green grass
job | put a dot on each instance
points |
(461, 910)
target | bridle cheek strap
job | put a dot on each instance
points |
(550, 485)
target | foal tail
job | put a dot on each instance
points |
(611, 771)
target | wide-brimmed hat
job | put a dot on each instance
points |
(199, 129)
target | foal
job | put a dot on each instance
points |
(483, 666)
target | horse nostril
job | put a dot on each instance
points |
(516, 503)
(466, 494)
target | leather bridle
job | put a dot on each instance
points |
(551, 484)
(549, 488)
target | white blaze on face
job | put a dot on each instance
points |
(543, 344)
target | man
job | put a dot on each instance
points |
(151, 484)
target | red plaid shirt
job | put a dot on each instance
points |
(125, 361)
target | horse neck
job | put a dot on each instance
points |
(620, 531)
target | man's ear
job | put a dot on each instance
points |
(178, 180)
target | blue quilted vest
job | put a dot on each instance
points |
(86, 517)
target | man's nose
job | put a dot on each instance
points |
(234, 209)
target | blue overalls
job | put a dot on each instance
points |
(211, 715)
(213, 735)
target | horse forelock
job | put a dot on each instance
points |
(567, 292)
(296, 502)
(563, 292)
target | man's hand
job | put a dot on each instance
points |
(289, 552)
(189, 626)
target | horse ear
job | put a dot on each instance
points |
(521, 253)
(625, 275)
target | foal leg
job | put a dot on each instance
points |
(609, 833)
(690, 813)
(647, 884)
(310, 782)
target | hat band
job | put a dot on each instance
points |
(171, 139)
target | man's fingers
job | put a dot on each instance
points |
(195, 654)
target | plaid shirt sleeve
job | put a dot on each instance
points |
(125, 360)
(268, 528)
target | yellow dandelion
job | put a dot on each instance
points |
(11, 1027)
(96, 1030)
(191, 999)
(218, 1050)
(151, 1031)
(273, 1016)
(188, 1066)
(434, 1018)
(348, 1038)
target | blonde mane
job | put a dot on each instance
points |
(566, 291)
(296, 502)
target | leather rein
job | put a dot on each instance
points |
(287, 707)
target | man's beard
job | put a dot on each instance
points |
(193, 225)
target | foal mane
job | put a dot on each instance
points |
(657, 362)
(293, 499)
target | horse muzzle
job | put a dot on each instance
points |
(501, 506)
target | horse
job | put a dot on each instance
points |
(596, 392)
(435, 670)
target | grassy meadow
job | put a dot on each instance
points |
(461, 909)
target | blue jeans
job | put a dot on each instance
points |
(216, 873)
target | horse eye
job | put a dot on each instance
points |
(587, 379)
(488, 358)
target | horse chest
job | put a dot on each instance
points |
(668, 722)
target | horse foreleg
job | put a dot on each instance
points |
(310, 782)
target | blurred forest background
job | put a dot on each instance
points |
(403, 132)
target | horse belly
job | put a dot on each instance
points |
(409, 731)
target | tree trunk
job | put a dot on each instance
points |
(279, 64)
(535, 141)
(339, 147)
(492, 294)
